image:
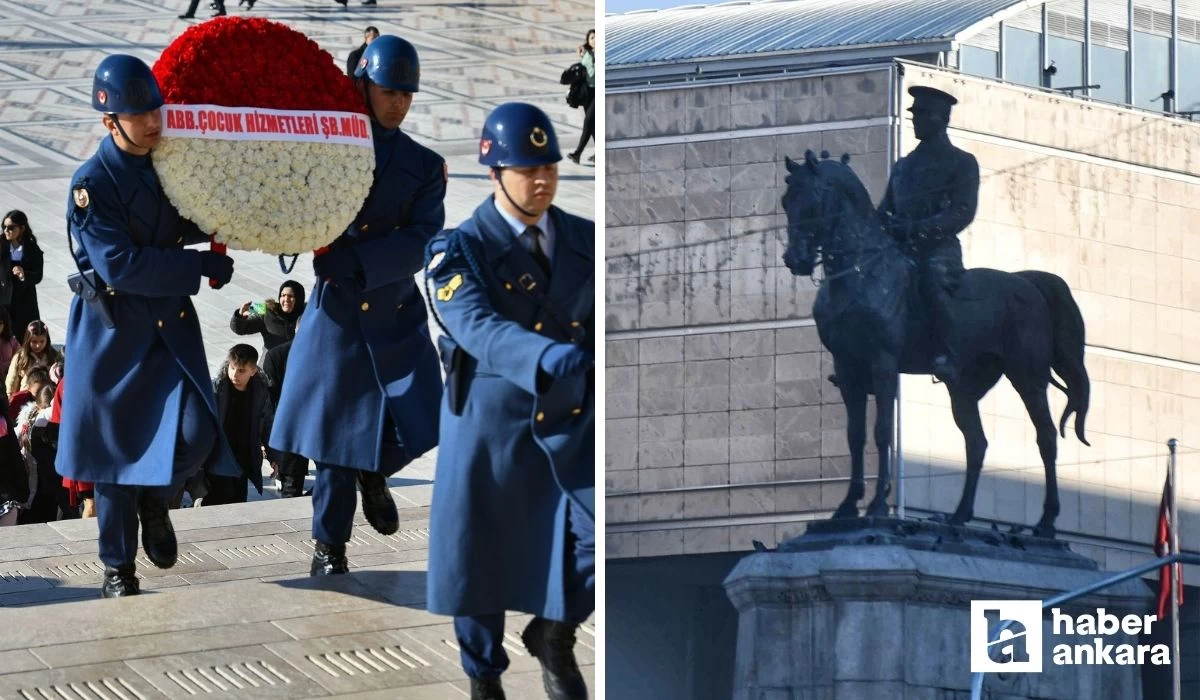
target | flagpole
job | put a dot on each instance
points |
(1176, 686)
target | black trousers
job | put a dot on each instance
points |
(226, 489)
(939, 271)
(191, 11)
(292, 471)
(589, 126)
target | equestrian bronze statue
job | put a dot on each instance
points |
(895, 298)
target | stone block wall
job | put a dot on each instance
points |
(720, 426)
(1084, 191)
(714, 430)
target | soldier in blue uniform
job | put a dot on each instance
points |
(512, 524)
(362, 389)
(931, 198)
(132, 334)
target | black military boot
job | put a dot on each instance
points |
(120, 581)
(329, 559)
(487, 689)
(553, 645)
(158, 535)
(377, 503)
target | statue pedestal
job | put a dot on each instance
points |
(880, 609)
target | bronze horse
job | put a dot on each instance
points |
(1020, 325)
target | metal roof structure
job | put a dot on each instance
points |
(698, 33)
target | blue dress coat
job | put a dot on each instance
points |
(363, 349)
(521, 449)
(122, 407)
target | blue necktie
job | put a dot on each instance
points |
(539, 253)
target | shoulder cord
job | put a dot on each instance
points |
(455, 242)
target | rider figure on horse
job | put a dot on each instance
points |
(931, 198)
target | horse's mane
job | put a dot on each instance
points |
(836, 174)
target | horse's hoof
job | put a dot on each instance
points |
(846, 511)
(1046, 531)
(960, 519)
(878, 509)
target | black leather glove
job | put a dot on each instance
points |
(337, 266)
(218, 267)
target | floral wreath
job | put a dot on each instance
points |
(266, 143)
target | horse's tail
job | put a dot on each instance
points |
(1067, 361)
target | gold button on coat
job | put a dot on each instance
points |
(540, 416)
(576, 411)
(575, 324)
(182, 314)
(365, 306)
(160, 323)
(363, 228)
(508, 286)
(537, 326)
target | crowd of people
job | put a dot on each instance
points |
(512, 518)
(31, 491)
(219, 9)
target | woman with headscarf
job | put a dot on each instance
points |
(275, 320)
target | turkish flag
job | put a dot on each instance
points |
(1162, 547)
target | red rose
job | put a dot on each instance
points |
(253, 62)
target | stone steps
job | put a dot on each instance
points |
(265, 539)
(237, 617)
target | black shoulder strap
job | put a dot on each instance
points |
(71, 242)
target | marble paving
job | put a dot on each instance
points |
(238, 617)
(474, 56)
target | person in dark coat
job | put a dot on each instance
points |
(246, 412)
(277, 320)
(512, 525)
(22, 258)
(363, 356)
(369, 34)
(931, 197)
(291, 469)
(139, 416)
(217, 5)
(32, 425)
(14, 479)
(587, 56)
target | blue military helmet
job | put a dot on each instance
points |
(518, 135)
(125, 85)
(392, 63)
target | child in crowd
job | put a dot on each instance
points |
(14, 479)
(34, 380)
(246, 412)
(32, 426)
(36, 351)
